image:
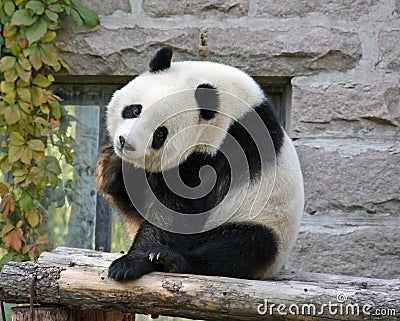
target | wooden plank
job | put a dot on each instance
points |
(78, 278)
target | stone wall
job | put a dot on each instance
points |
(343, 58)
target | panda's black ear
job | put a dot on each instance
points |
(161, 60)
(207, 98)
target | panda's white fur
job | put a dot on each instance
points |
(170, 91)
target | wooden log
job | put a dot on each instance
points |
(78, 278)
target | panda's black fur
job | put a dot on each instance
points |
(234, 249)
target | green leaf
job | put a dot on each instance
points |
(36, 31)
(6, 87)
(15, 153)
(24, 63)
(26, 155)
(6, 63)
(25, 202)
(51, 15)
(36, 145)
(26, 107)
(32, 217)
(56, 7)
(23, 17)
(36, 6)
(9, 8)
(45, 109)
(67, 9)
(88, 16)
(12, 114)
(49, 36)
(2, 155)
(16, 139)
(11, 75)
(37, 96)
(9, 31)
(34, 57)
(77, 18)
(41, 81)
(22, 84)
(22, 73)
(56, 109)
(42, 121)
(20, 172)
(48, 54)
(54, 167)
(9, 256)
(24, 94)
(10, 97)
(3, 189)
(17, 192)
(20, 175)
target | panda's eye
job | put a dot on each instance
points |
(132, 111)
(161, 132)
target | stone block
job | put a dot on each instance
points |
(295, 51)
(345, 109)
(389, 46)
(342, 9)
(107, 7)
(370, 252)
(235, 8)
(124, 51)
(351, 175)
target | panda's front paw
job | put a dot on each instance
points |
(171, 260)
(128, 267)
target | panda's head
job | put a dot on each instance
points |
(158, 119)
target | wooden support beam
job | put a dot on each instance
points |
(60, 313)
(78, 278)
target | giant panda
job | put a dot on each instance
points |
(203, 175)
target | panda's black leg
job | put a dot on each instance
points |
(150, 251)
(233, 250)
(236, 250)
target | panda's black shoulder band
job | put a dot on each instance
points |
(161, 60)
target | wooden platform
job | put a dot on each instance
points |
(77, 279)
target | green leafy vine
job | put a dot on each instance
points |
(31, 119)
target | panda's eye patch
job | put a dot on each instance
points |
(159, 137)
(132, 111)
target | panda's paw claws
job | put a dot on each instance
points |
(152, 256)
(170, 259)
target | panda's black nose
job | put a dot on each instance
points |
(125, 145)
(122, 141)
